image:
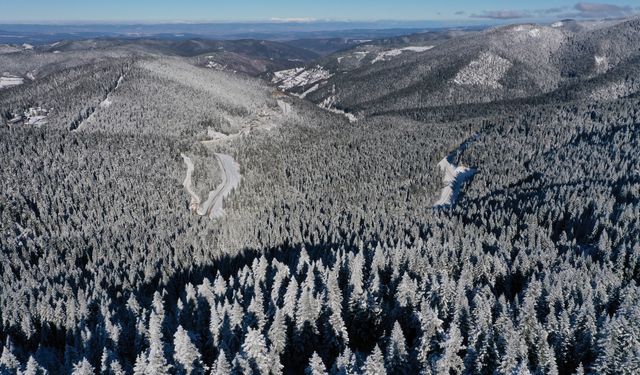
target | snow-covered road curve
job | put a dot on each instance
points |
(454, 176)
(230, 180)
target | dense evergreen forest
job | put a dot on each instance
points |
(331, 257)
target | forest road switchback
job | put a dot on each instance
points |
(230, 180)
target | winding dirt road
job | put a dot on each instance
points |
(213, 205)
(230, 180)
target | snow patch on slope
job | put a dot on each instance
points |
(454, 176)
(10, 81)
(328, 104)
(384, 55)
(312, 89)
(487, 70)
(602, 63)
(299, 77)
(534, 33)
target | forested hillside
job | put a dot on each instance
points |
(498, 64)
(332, 254)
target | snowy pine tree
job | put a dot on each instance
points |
(186, 355)
(374, 365)
(316, 366)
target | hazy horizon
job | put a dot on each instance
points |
(196, 11)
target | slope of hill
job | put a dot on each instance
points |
(499, 64)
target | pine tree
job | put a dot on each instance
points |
(334, 303)
(374, 365)
(356, 282)
(257, 307)
(83, 368)
(546, 358)
(140, 367)
(290, 299)
(316, 366)
(450, 361)
(32, 367)
(221, 366)
(187, 357)
(8, 361)
(215, 322)
(345, 364)
(277, 337)
(156, 361)
(254, 349)
(305, 309)
(115, 368)
(430, 326)
(277, 334)
(406, 292)
(396, 356)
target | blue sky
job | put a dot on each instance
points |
(252, 10)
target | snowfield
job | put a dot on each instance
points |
(10, 81)
(312, 89)
(602, 64)
(383, 56)
(454, 177)
(36, 116)
(328, 104)
(487, 70)
(299, 77)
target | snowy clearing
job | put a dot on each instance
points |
(107, 100)
(298, 77)
(487, 70)
(328, 104)
(284, 107)
(383, 56)
(36, 116)
(211, 64)
(10, 81)
(454, 176)
(312, 89)
(602, 63)
(6, 48)
(27, 46)
(360, 54)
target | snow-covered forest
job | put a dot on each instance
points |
(334, 252)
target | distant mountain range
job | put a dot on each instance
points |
(47, 33)
(416, 73)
